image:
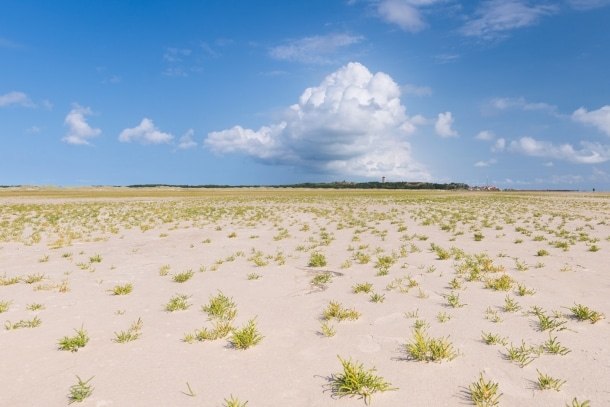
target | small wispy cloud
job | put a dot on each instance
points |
(495, 19)
(446, 58)
(487, 163)
(599, 118)
(485, 135)
(178, 62)
(590, 153)
(112, 79)
(186, 140)
(403, 13)
(79, 131)
(175, 71)
(16, 98)
(145, 133)
(318, 49)
(585, 5)
(499, 145)
(6, 43)
(417, 90)
(176, 54)
(520, 104)
(443, 125)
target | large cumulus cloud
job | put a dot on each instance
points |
(353, 123)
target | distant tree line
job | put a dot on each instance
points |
(329, 185)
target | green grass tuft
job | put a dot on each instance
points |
(74, 343)
(80, 391)
(247, 336)
(354, 380)
(484, 393)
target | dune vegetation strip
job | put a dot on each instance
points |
(507, 288)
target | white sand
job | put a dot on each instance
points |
(293, 363)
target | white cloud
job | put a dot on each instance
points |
(175, 71)
(175, 54)
(548, 164)
(186, 140)
(208, 49)
(79, 131)
(599, 118)
(563, 179)
(417, 90)
(113, 79)
(402, 13)
(16, 98)
(407, 14)
(499, 145)
(486, 163)
(352, 124)
(419, 120)
(443, 125)
(314, 50)
(145, 133)
(446, 58)
(590, 153)
(495, 18)
(588, 4)
(485, 135)
(599, 175)
(520, 104)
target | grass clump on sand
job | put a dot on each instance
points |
(355, 380)
(80, 391)
(425, 349)
(484, 393)
(522, 355)
(247, 336)
(183, 277)
(317, 260)
(583, 313)
(234, 402)
(4, 306)
(178, 303)
(321, 279)
(327, 330)
(335, 310)
(362, 288)
(131, 334)
(493, 339)
(29, 323)
(74, 343)
(122, 289)
(220, 307)
(546, 382)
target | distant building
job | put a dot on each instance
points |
(484, 188)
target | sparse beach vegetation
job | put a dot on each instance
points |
(302, 239)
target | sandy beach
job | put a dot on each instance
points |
(461, 266)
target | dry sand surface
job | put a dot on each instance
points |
(63, 252)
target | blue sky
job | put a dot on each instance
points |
(263, 92)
